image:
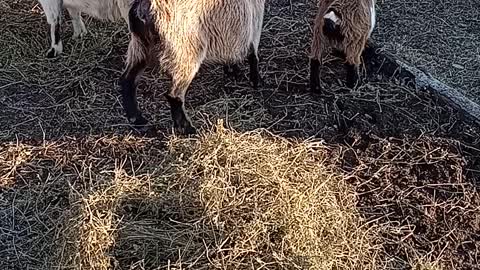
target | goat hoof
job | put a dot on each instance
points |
(315, 87)
(257, 84)
(139, 122)
(352, 84)
(353, 79)
(190, 130)
(186, 129)
(256, 81)
(79, 35)
(51, 53)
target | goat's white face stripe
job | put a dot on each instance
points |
(372, 18)
(332, 16)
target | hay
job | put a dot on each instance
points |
(225, 200)
(278, 204)
(421, 264)
(251, 200)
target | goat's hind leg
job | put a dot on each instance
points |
(353, 54)
(136, 64)
(79, 29)
(176, 98)
(137, 59)
(253, 60)
(53, 12)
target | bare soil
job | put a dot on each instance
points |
(438, 36)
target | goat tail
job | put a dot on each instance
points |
(139, 16)
(331, 24)
(329, 27)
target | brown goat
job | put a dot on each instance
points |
(186, 33)
(344, 25)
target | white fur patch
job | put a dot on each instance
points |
(372, 18)
(332, 16)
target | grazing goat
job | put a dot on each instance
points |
(344, 25)
(102, 9)
(185, 34)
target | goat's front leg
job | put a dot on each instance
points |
(136, 64)
(53, 12)
(315, 85)
(353, 75)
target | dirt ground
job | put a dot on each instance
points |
(413, 160)
(438, 36)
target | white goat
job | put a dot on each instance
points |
(111, 10)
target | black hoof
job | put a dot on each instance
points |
(141, 127)
(139, 122)
(353, 77)
(256, 80)
(51, 53)
(352, 83)
(315, 87)
(190, 131)
(186, 129)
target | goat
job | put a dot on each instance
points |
(344, 25)
(111, 10)
(185, 34)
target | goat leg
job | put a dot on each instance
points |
(353, 75)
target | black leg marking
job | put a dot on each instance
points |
(56, 39)
(254, 70)
(129, 95)
(58, 32)
(180, 120)
(315, 76)
(352, 75)
(51, 53)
